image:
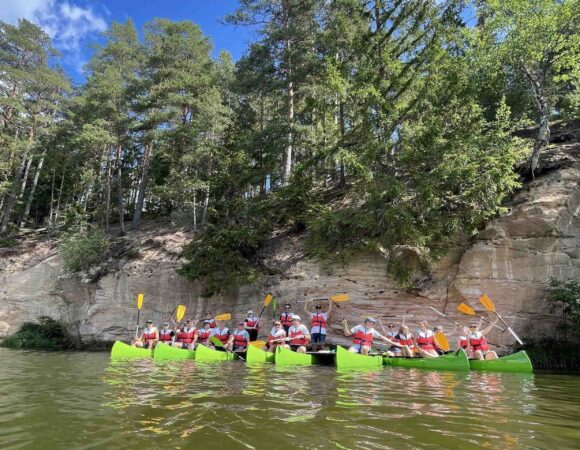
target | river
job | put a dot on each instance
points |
(83, 401)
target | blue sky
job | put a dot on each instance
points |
(74, 24)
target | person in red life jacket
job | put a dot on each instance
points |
(286, 317)
(252, 325)
(477, 341)
(239, 339)
(276, 337)
(202, 335)
(391, 333)
(221, 332)
(149, 337)
(211, 320)
(405, 338)
(298, 336)
(166, 334)
(463, 341)
(180, 336)
(318, 321)
(363, 336)
(185, 337)
(425, 342)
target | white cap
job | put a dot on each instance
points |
(370, 319)
(250, 311)
(296, 317)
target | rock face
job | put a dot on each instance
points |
(510, 260)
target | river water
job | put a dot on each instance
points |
(84, 401)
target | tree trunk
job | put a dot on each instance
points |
(120, 203)
(289, 95)
(142, 185)
(541, 102)
(342, 132)
(108, 197)
(56, 213)
(33, 189)
(25, 178)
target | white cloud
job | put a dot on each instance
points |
(68, 24)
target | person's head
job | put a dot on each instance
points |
(206, 324)
(208, 315)
(182, 325)
(424, 325)
(149, 324)
(473, 327)
(277, 324)
(221, 324)
(287, 307)
(240, 325)
(318, 306)
(165, 325)
(465, 330)
(404, 329)
(189, 323)
(296, 320)
(250, 313)
(391, 326)
(369, 322)
(438, 329)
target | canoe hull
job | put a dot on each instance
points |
(258, 356)
(347, 360)
(285, 357)
(203, 353)
(121, 350)
(517, 363)
(456, 361)
(166, 352)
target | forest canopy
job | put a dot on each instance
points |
(362, 124)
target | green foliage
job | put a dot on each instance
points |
(47, 334)
(83, 249)
(565, 298)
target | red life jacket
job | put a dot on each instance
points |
(212, 323)
(251, 322)
(297, 340)
(203, 335)
(404, 340)
(148, 335)
(181, 336)
(286, 319)
(273, 337)
(362, 338)
(222, 337)
(478, 342)
(318, 320)
(463, 342)
(240, 339)
(165, 335)
(425, 342)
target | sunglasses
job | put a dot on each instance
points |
(391, 326)
(286, 307)
(277, 324)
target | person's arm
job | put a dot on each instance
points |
(156, 335)
(306, 306)
(490, 327)
(382, 326)
(329, 307)
(345, 329)
(306, 333)
(404, 320)
(387, 340)
(247, 337)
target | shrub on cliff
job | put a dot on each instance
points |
(565, 297)
(83, 249)
(47, 334)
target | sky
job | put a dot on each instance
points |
(75, 24)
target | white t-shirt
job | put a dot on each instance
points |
(300, 329)
(277, 333)
(354, 330)
(317, 328)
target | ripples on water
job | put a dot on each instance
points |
(82, 401)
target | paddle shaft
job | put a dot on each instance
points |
(221, 344)
(137, 327)
(510, 329)
(503, 330)
(441, 314)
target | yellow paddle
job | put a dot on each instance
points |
(466, 309)
(339, 298)
(258, 344)
(180, 313)
(139, 306)
(490, 306)
(441, 341)
(223, 317)
(267, 301)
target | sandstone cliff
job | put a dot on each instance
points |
(510, 260)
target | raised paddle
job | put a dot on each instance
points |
(180, 313)
(443, 315)
(466, 309)
(441, 341)
(337, 298)
(139, 306)
(215, 341)
(267, 301)
(223, 317)
(490, 306)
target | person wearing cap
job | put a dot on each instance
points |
(239, 339)
(286, 317)
(221, 332)
(363, 336)
(298, 336)
(181, 338)
(478, 343)
(149, 337)
(252, 325)
(276, 337)
(318, 321)
(166, 334)
(203, 334)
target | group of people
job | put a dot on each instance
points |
(289, 331)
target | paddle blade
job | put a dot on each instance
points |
(180, 312)
(274, 305)
(487, 303)
(215, 341)
(441, 341)
(339, 298)
(466, 309)
(267, 299)
(258, 344)
(139, 301)
(226, 316)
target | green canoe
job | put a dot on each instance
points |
(518, 362)
(347, 360)
(285, 357)
(258, 356)
(121, 350)
(203, 353)
(165, 352)
(453, 361)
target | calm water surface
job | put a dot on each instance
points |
(83, 401)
